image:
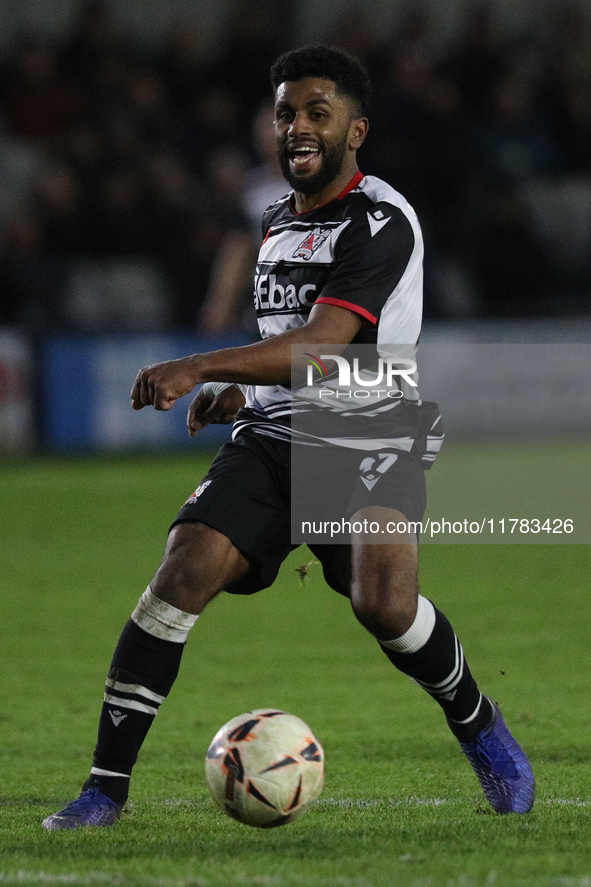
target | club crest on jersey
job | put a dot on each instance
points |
(311, 242)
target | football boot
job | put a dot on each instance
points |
(92, 808)
(502, 767)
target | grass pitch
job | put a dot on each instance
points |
(79, 541)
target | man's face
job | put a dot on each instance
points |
(313, 129)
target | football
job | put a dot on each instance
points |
(265, 768)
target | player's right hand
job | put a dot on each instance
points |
(219, 410)
(161, 384)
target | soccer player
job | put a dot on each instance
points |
(341, 262)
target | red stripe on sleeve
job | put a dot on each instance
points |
(341, 303)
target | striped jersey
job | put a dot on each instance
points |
(363, 251)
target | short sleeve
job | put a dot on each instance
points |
(371, 256)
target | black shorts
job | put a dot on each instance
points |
(246, 495)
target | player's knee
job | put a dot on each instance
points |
(177, 576)
(191, 572)
(386, 607)
(179, 584)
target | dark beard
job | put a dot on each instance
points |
(332, 163)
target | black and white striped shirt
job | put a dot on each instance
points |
(363, 251)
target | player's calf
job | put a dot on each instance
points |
(431, 654)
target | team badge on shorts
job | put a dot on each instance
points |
(200, 489)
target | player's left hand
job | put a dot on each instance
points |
(162, 384)
(219, 410)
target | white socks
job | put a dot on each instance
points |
(162, 620)
(419, 632)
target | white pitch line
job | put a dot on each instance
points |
(93, 878)
(414, 801)
(382, 802)
(566, 881)
(23, 877)
(361, 803)
(572, 802)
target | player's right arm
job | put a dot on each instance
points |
(264, 363)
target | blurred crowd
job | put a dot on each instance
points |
(133, 178)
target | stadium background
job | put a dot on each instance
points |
(126, 200)
(132, 179)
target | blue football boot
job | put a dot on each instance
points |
(91, 808)
(502, 767)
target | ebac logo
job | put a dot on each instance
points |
(311, 243)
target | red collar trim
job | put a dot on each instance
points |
(352, 184)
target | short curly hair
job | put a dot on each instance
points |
(331, 63)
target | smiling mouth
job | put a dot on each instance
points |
(304, 157)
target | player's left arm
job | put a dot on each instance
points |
(216, 403)
(264, 363)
